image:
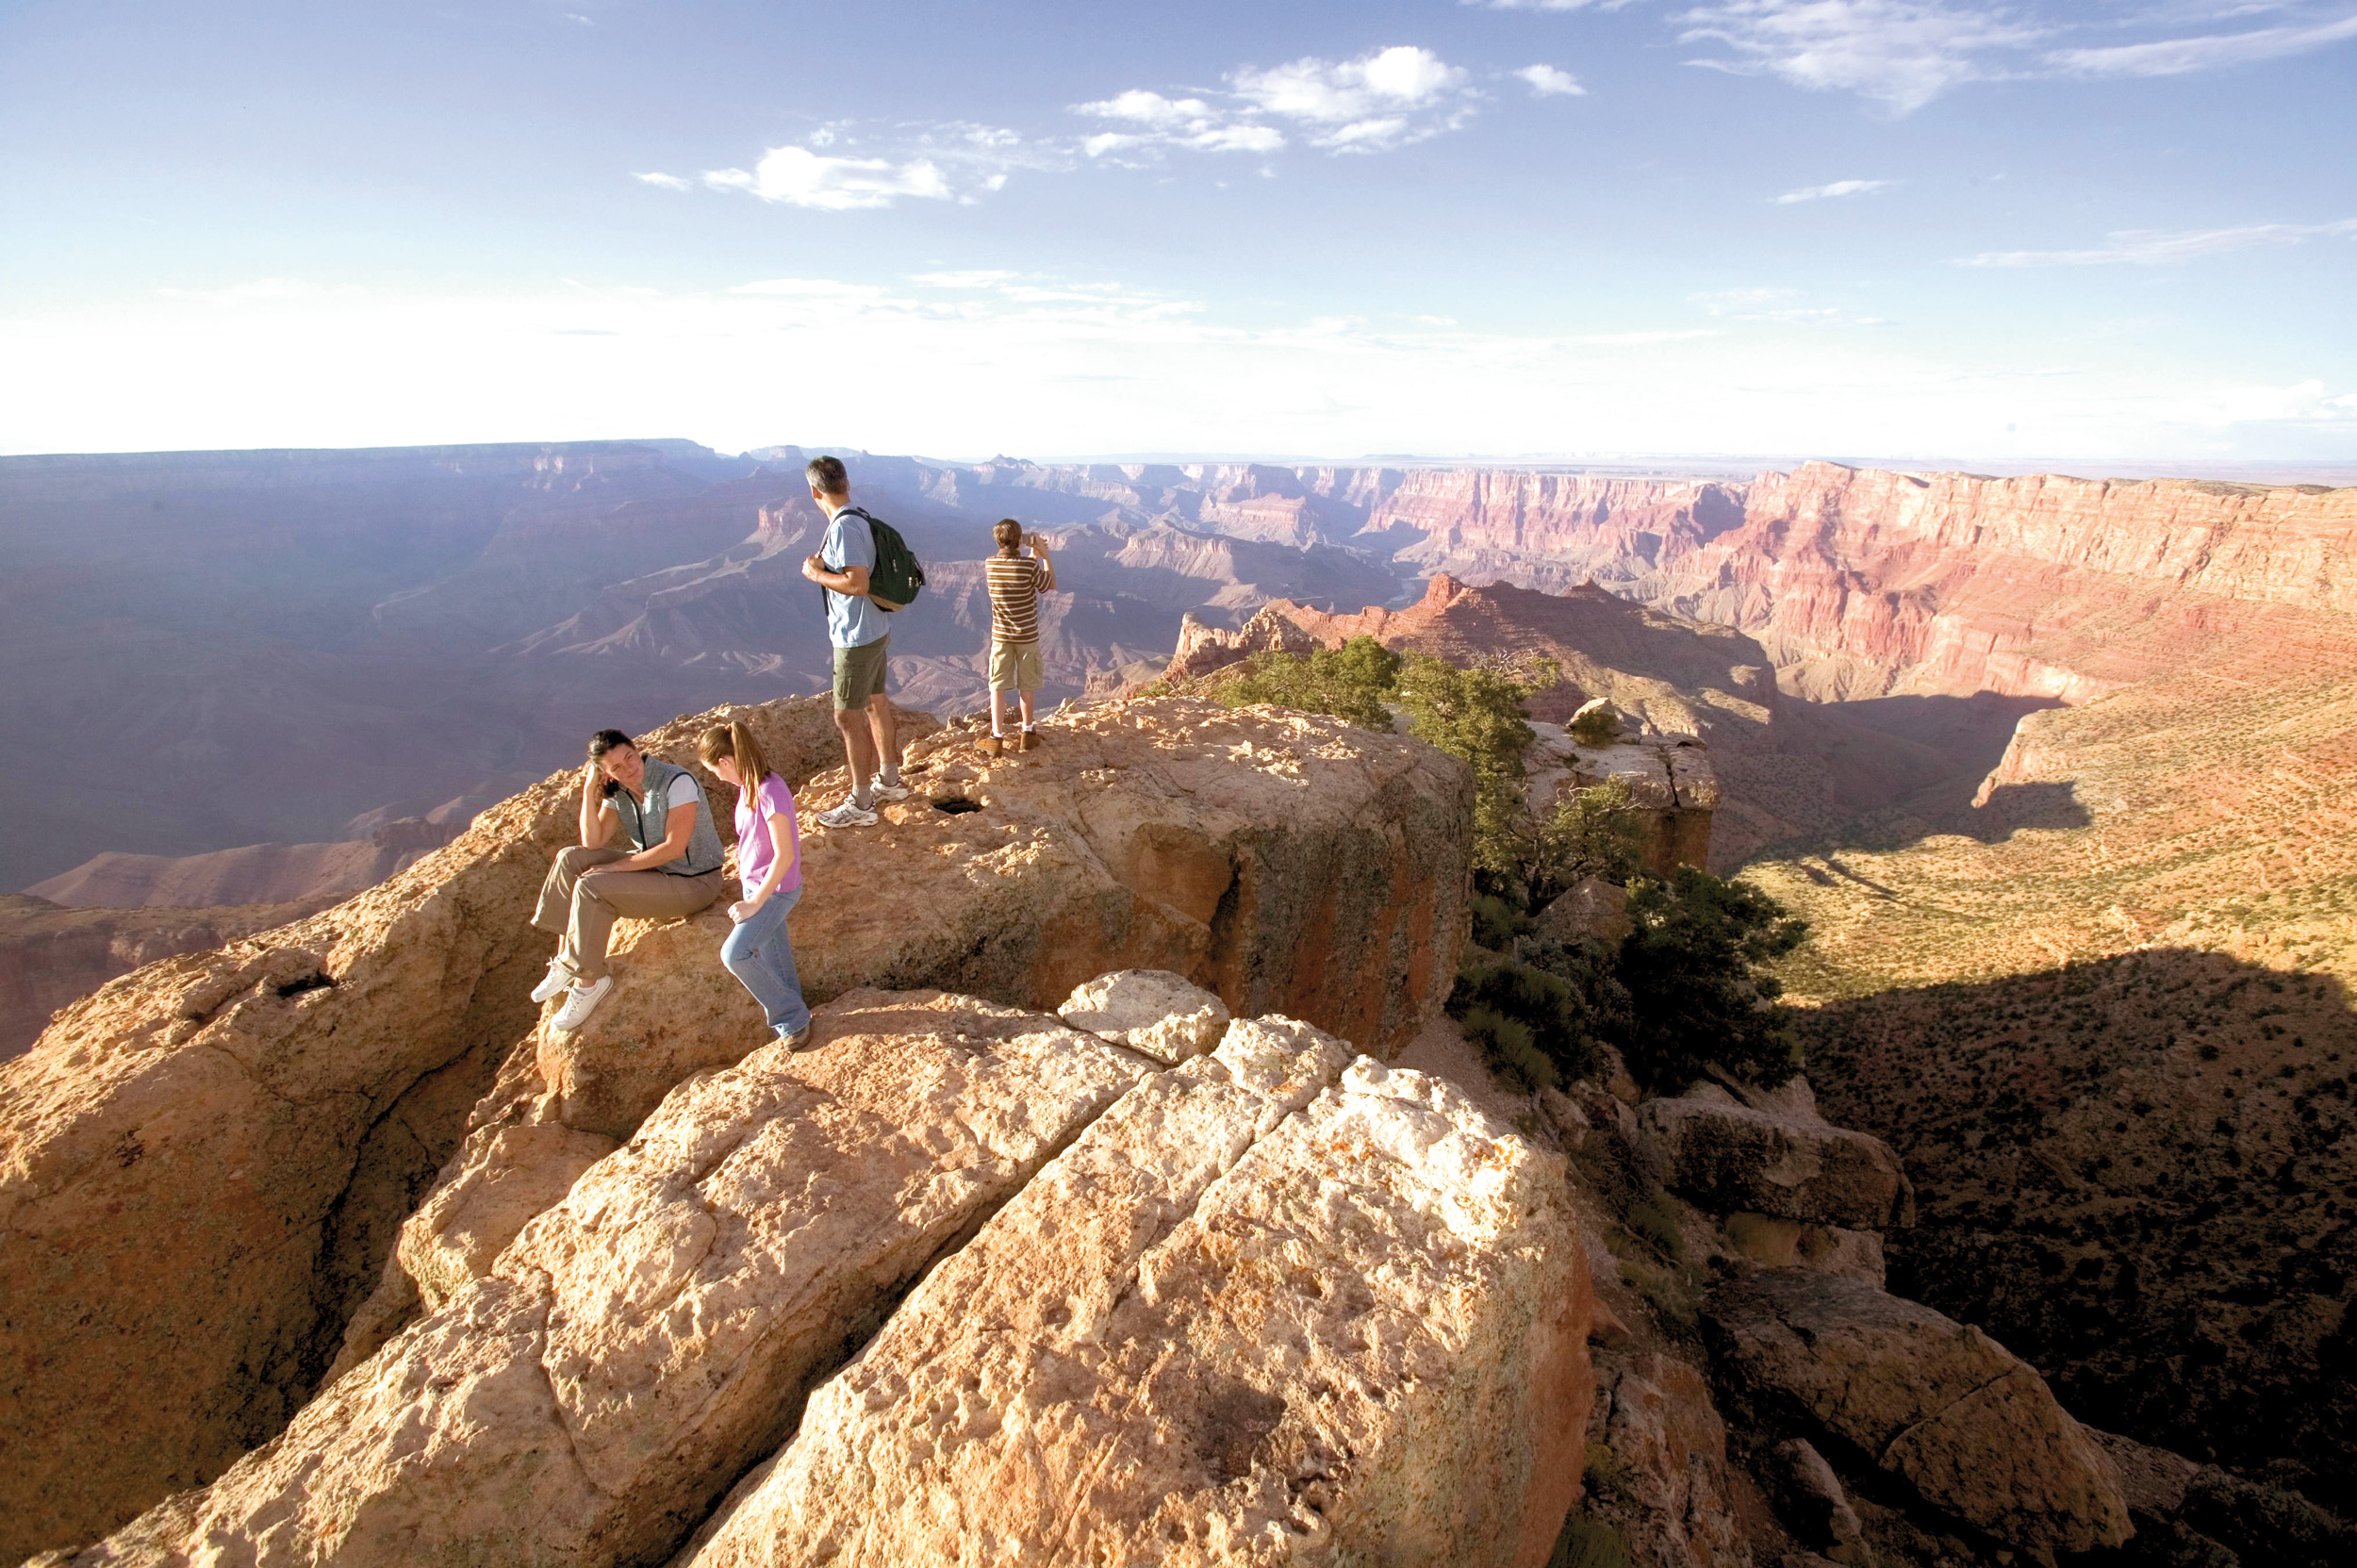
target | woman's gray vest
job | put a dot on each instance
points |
(645, 823)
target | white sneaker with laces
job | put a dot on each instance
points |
(896, 790)
(550, 984)
(847, 814)
(583, 1001)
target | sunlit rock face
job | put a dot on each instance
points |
(209, 1163)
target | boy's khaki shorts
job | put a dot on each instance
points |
(1015, 667)
(859, 673)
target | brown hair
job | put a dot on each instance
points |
(1008, 532)
(608, 740)
(829, 475)
(736, 743)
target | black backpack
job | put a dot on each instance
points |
(898, 576)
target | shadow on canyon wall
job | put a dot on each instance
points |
(1969, 736)
(2139, 1174)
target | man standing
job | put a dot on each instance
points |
(1016, 581)
(861, 636)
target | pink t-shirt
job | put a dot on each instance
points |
(753, 851)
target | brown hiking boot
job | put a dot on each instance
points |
(1030, 740)
(992, 746)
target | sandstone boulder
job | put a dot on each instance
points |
(1812, 1502)
(1165, 1016)
(1591, 911)
(644, 1341)
(1729, 1157)
(1267, 1307)
(202, 1164)
(1969, 1425)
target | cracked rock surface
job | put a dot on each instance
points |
(1969, 1425)
(643, 1341)
(1273, 1307)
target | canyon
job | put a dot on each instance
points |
(1126, 1205)
(2057, 770)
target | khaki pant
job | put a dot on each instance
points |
(584, 909)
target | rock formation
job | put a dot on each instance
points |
(1862, 582)
(1956, 1415)
(204, 1163)
(651, 1335)
(1213, 1331)
(1333, 1305)
(1722, 762)
(1287, 863)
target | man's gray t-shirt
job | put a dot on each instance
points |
(852, 621)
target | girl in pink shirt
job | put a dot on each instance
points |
(769, 860)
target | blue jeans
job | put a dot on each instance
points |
(758, 953)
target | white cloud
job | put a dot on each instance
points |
(2160, 247)
(1838, 187)
(1149, 108)
(1388, 98)
(668, 182)
(1391, 96)
(804, 178)
(2176, 56)
(1903, 54)
(1547, 81)
(1899, 53)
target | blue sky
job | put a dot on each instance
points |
(1893, 228)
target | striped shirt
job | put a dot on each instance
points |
(1014, 598)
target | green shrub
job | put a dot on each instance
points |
(1350, 683)
(1586, 1543)
(1507, 1045)
(1476, 716)
(1496, 922)
(1695, 967)
(1551, 1039)
(1593, 832)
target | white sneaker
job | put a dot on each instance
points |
(580, 1005)
(847, 814)
(896, 790)
(550, 984)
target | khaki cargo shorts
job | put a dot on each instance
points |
(1015, 667)
(858, 673)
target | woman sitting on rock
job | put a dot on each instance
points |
(770, 859)
(671, 870)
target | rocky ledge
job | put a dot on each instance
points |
(1277, 1301)
(227, 1178)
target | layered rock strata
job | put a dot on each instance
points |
(1862, 582)
(651, 1336)
(1273, 1307)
